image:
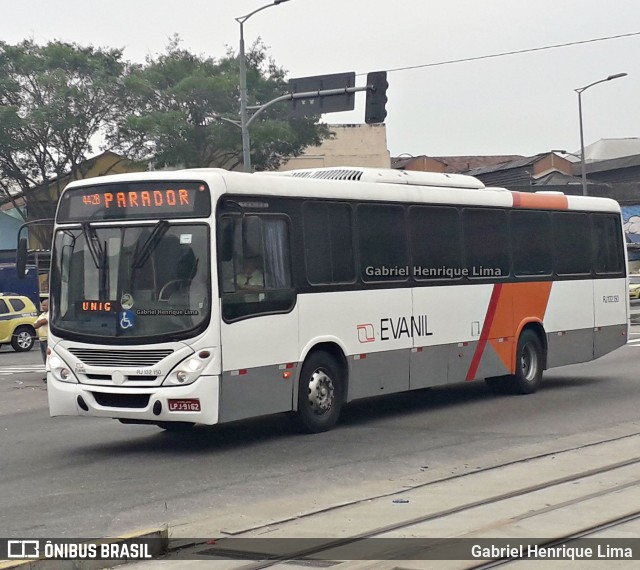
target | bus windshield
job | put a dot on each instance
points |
(143, 282)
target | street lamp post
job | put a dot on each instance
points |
(582, 157)
(246, 148)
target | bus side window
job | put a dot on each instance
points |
(531, 243)
(260, 269)
(250, 258)
(486, 242)
(607, 244)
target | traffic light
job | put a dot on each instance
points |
(375, 111)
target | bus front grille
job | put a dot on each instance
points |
(111, 358)
(121, 400)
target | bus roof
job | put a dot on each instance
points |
(361, 183)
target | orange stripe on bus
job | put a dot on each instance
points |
(512, 306)
(485, 335)
(519, 303)
(541, 201)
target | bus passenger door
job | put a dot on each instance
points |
(259, 327)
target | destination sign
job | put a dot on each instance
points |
(140, 200)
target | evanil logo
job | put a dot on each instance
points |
(395, 328)
(398, 327)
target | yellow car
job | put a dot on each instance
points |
(17, 316)
(634, 286)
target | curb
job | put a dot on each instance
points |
(156, 538)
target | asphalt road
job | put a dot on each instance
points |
(78, 477)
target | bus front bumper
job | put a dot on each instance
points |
(195, 403)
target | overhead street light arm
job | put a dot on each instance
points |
(582, 157)
(615, 76)
(246, 150)
(217, 117)
(562, 151)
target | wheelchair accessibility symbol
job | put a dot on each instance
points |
(127, 320)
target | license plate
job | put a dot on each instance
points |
(185, 405)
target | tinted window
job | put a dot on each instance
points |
(3, 307)
(607, 244)
(486, 242)
(382, 242)
(256, 275)
(571, 243)
(531, 243)
(328, 243)
(17, 304)
(436, 242)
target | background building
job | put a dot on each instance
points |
(351, 145)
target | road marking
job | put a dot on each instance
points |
(8, 370)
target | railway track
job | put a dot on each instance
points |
(524, 508)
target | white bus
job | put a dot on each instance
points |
(204, 296)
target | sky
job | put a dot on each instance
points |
(518, 104)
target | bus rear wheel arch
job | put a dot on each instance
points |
(529, 365)
(321, 392)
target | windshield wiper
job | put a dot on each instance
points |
(99, 256)
(94, 246)
(142, 255)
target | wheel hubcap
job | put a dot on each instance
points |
(321, 392)
(529, 363)
(24, 340)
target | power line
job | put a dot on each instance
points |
(515, 52)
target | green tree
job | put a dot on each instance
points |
(54, 99)
(175, 102)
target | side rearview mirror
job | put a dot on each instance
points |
(226, 239)
(21, 258)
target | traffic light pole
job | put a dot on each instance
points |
(305, 95)
(243, 125)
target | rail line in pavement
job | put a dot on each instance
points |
(499, 515)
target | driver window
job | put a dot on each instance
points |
(257, 277)
(250, 257)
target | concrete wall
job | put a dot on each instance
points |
(352, 145)
(9, 231)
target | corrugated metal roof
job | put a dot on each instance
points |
(513, 164)
(608, 149)
(613, 164)
(467, 163)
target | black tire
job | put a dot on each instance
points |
(23, 339)
(321, 393)
(529, 364)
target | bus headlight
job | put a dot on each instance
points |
(59, 369)
(189, 370)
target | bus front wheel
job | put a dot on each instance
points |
(320, 393)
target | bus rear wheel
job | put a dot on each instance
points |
(529, 368)
(320, 393)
